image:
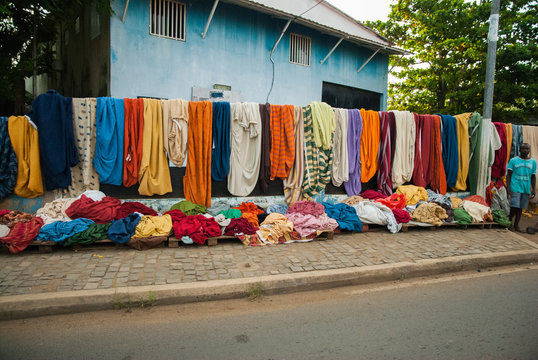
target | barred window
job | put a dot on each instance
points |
(300, 49)
(167, 19)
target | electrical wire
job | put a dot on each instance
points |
(271, 53)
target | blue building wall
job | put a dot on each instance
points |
(235, 52)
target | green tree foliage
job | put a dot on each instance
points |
(20, 20)
(448, 42)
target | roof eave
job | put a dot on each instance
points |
(385, 48)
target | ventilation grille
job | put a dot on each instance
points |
(300, 49)
(167, 19)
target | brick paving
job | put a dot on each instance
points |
(110, 267)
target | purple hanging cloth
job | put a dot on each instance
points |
(354, 186)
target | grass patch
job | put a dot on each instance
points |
(255, 291)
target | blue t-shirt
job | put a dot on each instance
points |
(522, 170)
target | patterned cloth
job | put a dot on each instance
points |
(83, 175)
(282, 140)
(318, 160)
(8, 161)
(292, 184)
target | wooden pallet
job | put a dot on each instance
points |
(482, 225)
(173, 242)
(46, 246)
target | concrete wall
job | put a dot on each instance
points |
(235, 52)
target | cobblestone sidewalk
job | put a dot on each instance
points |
(109, 267)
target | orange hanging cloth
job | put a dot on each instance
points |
(197, 179)
(282, 140)
(508, 128)
(437, 170)
(132, 143)
(369, 144)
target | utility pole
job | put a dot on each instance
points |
(492, 54)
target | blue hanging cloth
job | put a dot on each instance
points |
(450, 152)
(110, 124)
(8, 161)
(220, 155)
(53, 115)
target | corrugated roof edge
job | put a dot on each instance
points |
(385, 45)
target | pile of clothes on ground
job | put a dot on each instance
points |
(94, 216)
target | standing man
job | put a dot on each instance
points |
(521, 183)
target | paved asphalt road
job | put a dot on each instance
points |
(478, 316)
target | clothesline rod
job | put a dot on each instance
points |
(368, 60)
(125, 11)
(210, 18)
(334, 48)
(281, 35)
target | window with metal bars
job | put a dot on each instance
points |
(300, 48)
(167, 19)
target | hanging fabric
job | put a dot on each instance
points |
(498, 169)
(530, 136)
(438, 176)
(463, 147)
(292, 184)
(369, 144)
(517, 140)
(133, 140)
(246, 148)
(340, 168)
(83, 175)
(265, 155)
(8, 161)
(508, 131)
(53, 115)
(353, 186)
(110, 122)
(449, 134)
(282, 141)
(322, 124)
(175, 129)
(318, 152)
(154, 173)
(24, 139)
(484, 141)
(421, 171)
(404, 148)
(384, 181)
(220, 153)
(197, 179)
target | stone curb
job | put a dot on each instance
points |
(34, 305)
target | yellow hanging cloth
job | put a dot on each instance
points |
(25, 142)
(463, 146)
(154, 174)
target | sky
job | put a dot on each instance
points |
(363, 10)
